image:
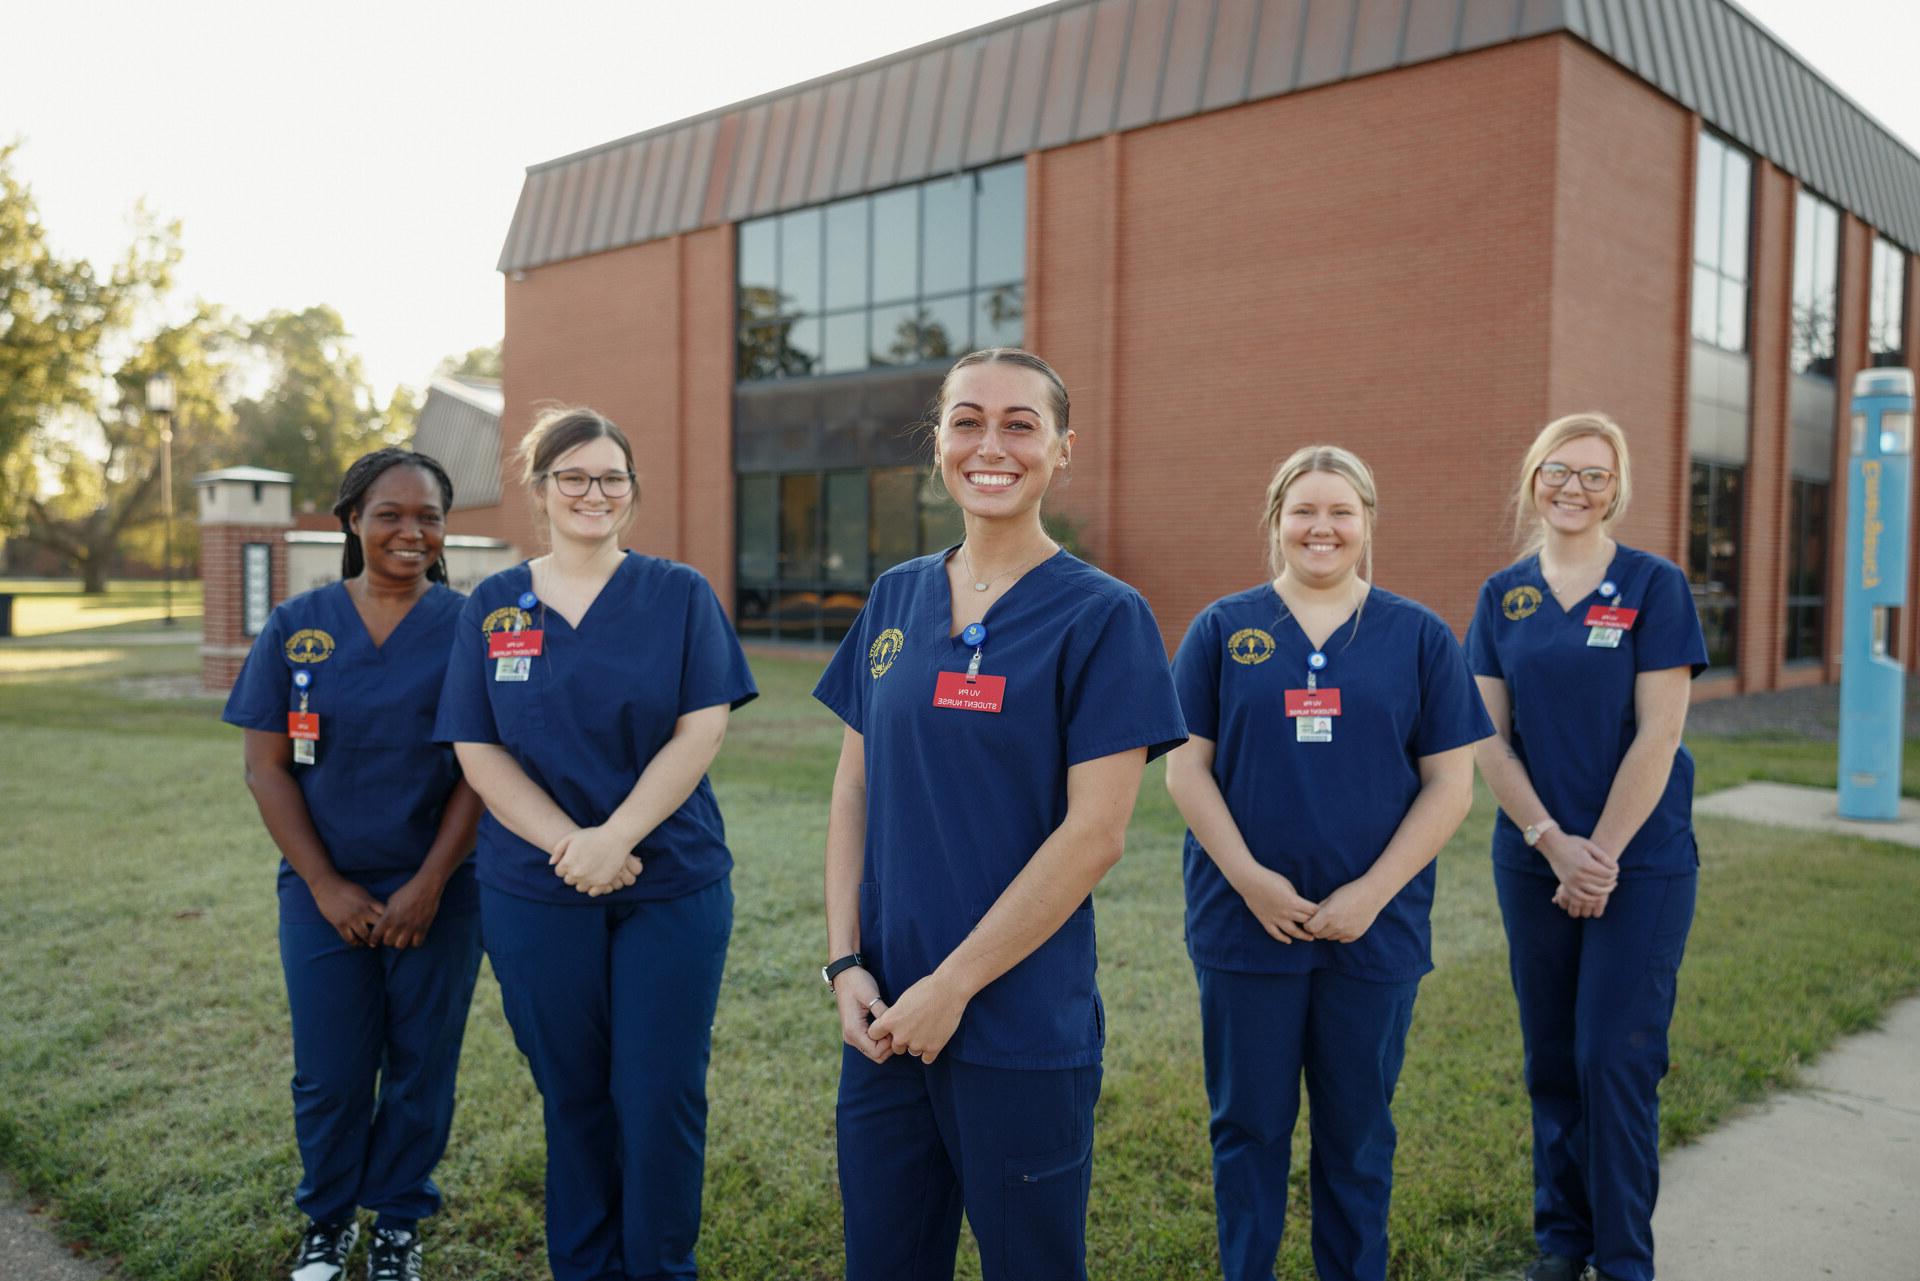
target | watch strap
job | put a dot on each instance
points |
(834, 969)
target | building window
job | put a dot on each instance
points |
(1807, 572)
(812, 542)
(1816, 273)
(1722, 216)
(1887, 319)
(1713, 556)
(916, 275)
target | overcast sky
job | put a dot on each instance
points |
(368, 155)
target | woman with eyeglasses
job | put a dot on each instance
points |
(1583, 651)
(587, 694)
(1331, 756)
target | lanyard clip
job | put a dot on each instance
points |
(1313, 682)
(973, 667)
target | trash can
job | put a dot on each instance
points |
(6, 613)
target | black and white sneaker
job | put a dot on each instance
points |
(324, 1250)
(394, 1255)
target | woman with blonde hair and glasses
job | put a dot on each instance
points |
(1330, 758)
(587, 694)
(1583, 650)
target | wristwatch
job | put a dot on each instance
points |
(834, 969)
(1535, 831)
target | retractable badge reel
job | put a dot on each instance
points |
(514, 650)
(303, 726)
(969, 691)
(1313, 709)
(1608, 622)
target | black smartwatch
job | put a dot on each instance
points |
(834, 969)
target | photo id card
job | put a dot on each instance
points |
(512, 669)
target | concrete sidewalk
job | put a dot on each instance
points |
(1817, 1182)
(28, 1250)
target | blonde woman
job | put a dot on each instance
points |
(1583, 650)
(587, 694)
(1330, 758)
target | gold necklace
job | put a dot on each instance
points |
(979, 586)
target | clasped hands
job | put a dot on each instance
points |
(595, 860)
(919, 1024)
(1586, 872)
(1341, 917)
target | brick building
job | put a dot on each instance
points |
(1419, 228)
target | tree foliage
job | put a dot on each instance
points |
(481, 362)
(316, 414)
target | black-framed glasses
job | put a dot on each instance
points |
(575, 484)
(1554, 475)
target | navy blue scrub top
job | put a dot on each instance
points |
(958, 801)
(599, 702)
(1573, 716)
(1320, 813)
(378, 783)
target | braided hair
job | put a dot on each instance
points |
(353, 494)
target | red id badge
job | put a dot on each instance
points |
(304, 725)
(982, 694)
(523, 644)
(1612, 616)
(1313, 702)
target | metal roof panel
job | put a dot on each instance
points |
(992, 87)
(956, 107)
(1145, 62)
(856, 153)
(1106, 52)
(1230, 55)
(1066, 70)
(1433, 30)
(1276, 49)
(923, 109)
(890, 131)
(1026, 85)
(1326, 42)
(833, 139)
(1186, 64)
(1378, 28)
(802, 146)
(1486, 22)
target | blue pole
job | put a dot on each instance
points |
(1872, 683)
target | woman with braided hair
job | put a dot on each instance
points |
(379, 921)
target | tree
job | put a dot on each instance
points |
(54, 317)
(481, 362)
(316, 414)
(107, 468)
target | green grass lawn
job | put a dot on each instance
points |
(46, 607)
(144, 1051)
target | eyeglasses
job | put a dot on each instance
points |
(1554, 475)
(575, 484)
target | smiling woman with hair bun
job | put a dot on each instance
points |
(588, 692)
(379, 927)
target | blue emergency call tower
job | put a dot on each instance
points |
(1873, 684)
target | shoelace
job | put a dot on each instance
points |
(392, 1252)
(320, 1245)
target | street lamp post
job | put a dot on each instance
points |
(160, 403)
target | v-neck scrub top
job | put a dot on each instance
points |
(1319, 813)
(379, 783)
(599, 702)
(1573, 716)
(959, 800)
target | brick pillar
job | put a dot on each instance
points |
(242, 510)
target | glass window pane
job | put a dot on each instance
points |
(1000, 225)
(799, 527)
(799, 347)
(896, 245)
(838, 609)
(759, 542)
(940, 523)
(1706, 305)
(799, 615)
(846, 553)
(847, 255)
(1706, 202)
(1733, 316)
(946, 266)
(759, 276)
(846, 343)
(800, 260)
(753, 612)
(896, 335)
(760, 352)
(891, 533)
(999, 317)
(1734, 215)
(945, 326)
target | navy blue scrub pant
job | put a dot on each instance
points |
(919, 1143)
(1349, 1037)
(613, 1006)
(1596, 997)
(366, 1016)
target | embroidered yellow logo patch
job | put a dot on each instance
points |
(1520, 602)
(309, 645)
(1250, 646)
(507, 618)
(885, 648)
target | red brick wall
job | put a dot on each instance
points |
(1368, 264)
(223, 645)
(645, 335)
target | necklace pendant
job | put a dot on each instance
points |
(979, 587)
